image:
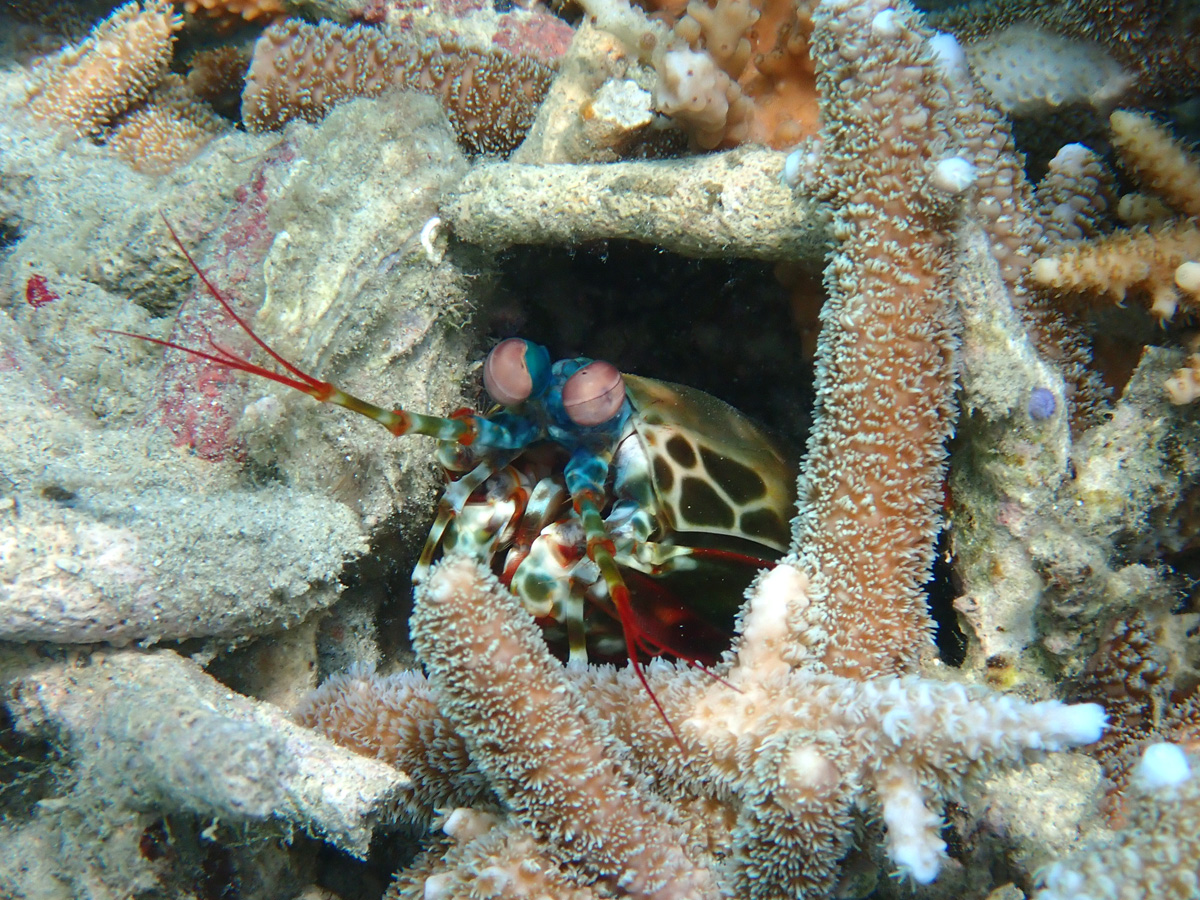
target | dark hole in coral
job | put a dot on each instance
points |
(31, 769)
(9, 235)
(723, 326)
(940, 590)
(366, 879)
(219, 875)
(58, 493)
(155, 842)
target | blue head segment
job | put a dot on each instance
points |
(515, 371)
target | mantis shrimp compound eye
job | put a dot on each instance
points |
(594, 394)
(515, 370)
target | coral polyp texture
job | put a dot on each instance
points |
(249, 10)
(86, 87)
(301, 71)
(1156, 855)
(1157, 263)
(115, 86)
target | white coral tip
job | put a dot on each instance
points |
(884, 25)
(1080, 723)
(1187, 276)
(800, 162)
(1071, 158)
(438, 887)
(913, 841)
(1161, 765)
(952, 176)
(948, 56)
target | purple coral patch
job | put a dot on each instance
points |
(1041, 404)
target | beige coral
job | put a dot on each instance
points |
(396, 719)
(1155, 262)
(729, 71)
(1157, 160)
(85, 87)
(1156, 855)
(249, 10)
(525, 727)
(1183, 387)
(301, 71)
(757, 793)
(1160, 261)
(1028, 69)
(816, 713)
(169, 128)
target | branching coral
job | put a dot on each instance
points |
(828, 722)
(1160, 262)
(871, 482)
(786, 753)
(301, 71)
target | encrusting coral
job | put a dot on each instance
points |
(301, 71)
(86, 87)
(115, 87)
(1155, 42)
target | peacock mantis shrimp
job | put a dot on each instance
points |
(580, 482)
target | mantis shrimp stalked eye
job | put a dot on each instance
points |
(584, 483)
(594, 394)
(515, 370)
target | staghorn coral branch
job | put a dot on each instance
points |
(789, 753)
(817, 715)
(554, 765)
(871, 482)
(1151, 262)
(1157, 160)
